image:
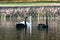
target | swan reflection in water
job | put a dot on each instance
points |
(24, 25)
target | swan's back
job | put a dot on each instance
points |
(18, 26)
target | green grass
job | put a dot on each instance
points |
(28, 3)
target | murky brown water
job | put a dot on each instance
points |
(8, 31)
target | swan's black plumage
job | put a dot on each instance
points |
(44, 26)
(41, 26)
(21, 25)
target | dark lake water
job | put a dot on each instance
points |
(8, 31)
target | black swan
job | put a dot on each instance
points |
(24, 25)
(44, 26)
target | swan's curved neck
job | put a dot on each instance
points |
(25, 20)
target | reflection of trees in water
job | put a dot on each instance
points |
(7, 17)
(20, 16)
(0, 18)
(14, 17)
(18, 13)
(20, 33)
